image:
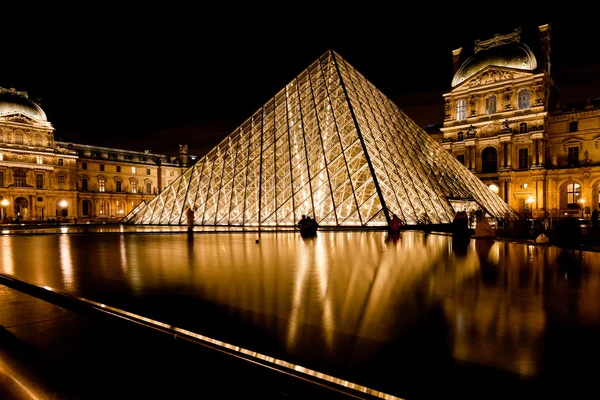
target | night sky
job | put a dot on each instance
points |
(151, 79)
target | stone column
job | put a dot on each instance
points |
(510, 148)
(473, 159)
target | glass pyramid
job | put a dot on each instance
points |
(329, 145)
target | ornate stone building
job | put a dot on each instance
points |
(43, 179)
(502, 119)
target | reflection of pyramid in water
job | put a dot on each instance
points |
(329, 145)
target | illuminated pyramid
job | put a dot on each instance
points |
(329, 145)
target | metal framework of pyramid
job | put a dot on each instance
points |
(329, 145)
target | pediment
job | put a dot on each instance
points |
(18, 117)
(493, 74)
(572, 142)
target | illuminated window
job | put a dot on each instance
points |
(61, 182)
(39, 181)
(523, 127)
(573, 156)
(102, 207)
(20, 178)
(494, 188)
(60, 161)
(489, 162)
(101, 184)
(573, 195)
(0, 156)
(120, 209)
(523, 99)
(118, 186)
(490, 105)
(461, 109)
(39, 159)
(133, 170)
(523, 158)
(133, 187)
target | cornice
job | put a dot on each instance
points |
(48, 153)
(570, 115)
(27, 165)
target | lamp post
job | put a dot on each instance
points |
(4, 203)
(530, 200)
(62, 204)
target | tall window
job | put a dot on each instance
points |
(523, 99)
(102, 207)
(84, 184)
(490, 105)
(83, 165)
(461, 109)
(489, 162)
(39, 181)
(573, 195)
(1, 178)
(523, 127)
(461, 158)
(20, 178)
(523, 158)
(133, 187)
(573, 126)
(460, 136)
(39, 159)
(60, 162)
(118, 186)
(19, 137)
(120, 210)
(133, 170)
(148, 187)
(147, 171)
(101, 167)
(118, 168)
(1, 157)
(573, 156)
(61, 182)
(37, 140)
(101, 184)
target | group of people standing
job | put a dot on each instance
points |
(308, 226)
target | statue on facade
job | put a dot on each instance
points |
(586, 157)
(471, 131)
(183, 149)
(554, 159)
(505, 127)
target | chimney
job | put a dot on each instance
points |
(545, 47)
(456, 60)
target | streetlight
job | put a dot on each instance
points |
(4, 203)
(62, 204)
(530, 200)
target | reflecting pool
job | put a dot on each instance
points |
(395, 314)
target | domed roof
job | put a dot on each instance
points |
(510, 55)
(12, 101)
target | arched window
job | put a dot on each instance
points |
(461, 136)
(461, 109)
(18, 137)
(102, 208)
(20, 178)
(489, 162)
(573, 195)
(523, 99)
(490, 105)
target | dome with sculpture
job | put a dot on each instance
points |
(501, 51)
(16, 102)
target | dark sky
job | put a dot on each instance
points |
(140, 78)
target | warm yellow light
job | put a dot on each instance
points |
(63, 203)
(4, 203)
(530, 199)
(582, 201)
